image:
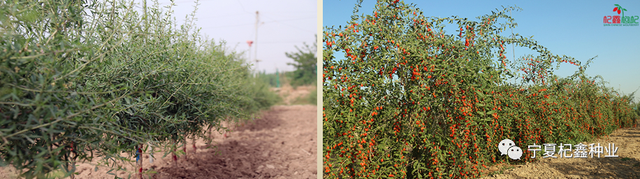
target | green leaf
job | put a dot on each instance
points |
(625, 159)
(481, 95)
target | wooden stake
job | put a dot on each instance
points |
(151, 154)
(72, 158)
(184, 149)
(139, 161)
(195, 149)
(175, 158)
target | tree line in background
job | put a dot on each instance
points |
(305, 73)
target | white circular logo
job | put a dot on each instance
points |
(504, 145)
(514, 152)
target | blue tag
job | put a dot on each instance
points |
(137, 155)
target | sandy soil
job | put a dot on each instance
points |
(280, 144)
(289, 95)
(627, 165)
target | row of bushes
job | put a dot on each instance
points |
(409, 101)
(86, 79)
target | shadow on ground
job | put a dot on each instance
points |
(230, 159)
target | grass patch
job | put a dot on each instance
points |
(310, 98)
(301, 100)
(313, 97)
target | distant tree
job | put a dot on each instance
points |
(305, 64)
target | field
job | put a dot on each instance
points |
(281, 143)
(88, 84)
(405, 99)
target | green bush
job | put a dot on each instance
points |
(85, 79)
(272, 79)
(313, 97)
(305, 64)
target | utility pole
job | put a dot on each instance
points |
(249, 42)
(256, 40)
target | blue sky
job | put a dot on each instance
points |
(286, 24)
(572, 28)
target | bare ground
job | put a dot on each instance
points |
(280, 144)
(289, 95)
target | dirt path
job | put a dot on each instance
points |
(289, 95)
(627, 165)
(280, 144)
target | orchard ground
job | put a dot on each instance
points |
(291, 96)
(626, 165)
(279, 144)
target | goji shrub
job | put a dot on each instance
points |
(88, 80)
(411, 101)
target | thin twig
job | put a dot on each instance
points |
(305, 151)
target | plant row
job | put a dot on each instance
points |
(408, 100)
(88, 79)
